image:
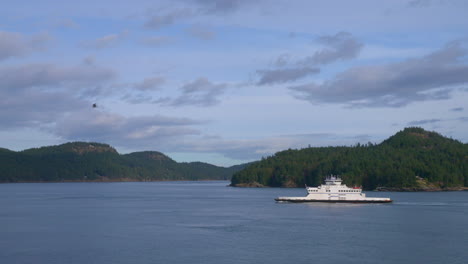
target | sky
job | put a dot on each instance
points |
(230, 81)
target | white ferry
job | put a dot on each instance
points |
(333, 191)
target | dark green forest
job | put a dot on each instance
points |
(80, 161)
(405, 159)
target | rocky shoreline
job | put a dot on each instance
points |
(420, 189)
(248, 185)
(378, 189)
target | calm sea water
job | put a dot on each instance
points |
(207, 222)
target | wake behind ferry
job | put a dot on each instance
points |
(333, 191)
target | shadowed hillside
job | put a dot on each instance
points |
(80, 161)
(405, 160)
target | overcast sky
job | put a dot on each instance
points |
(230, 81)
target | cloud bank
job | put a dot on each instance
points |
(431, 77)
(139, 131)
(338, 47)
(268, 77)
(14, 44)
(200, 92)
(34, 95)
(341, 46)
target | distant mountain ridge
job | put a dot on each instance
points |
(412, 159)
(91, 161)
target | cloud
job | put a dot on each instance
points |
(66, 24)
(175, 134)
(157, 20)
(105, 41)
(50, 98)
(284, 75)
(14, 44)
(254, 149)
(140, 92)
(35, 109)
(50, 76)
(221, 6)
(341, 46)
(200, 92)
(424, 122)
(431, 77)
(457, 109)
(139, 99)
(200, 32)
(150, 84)
(35, 95)
(282, 60)
(419, 3)
(139, 131)
(193, 8)
(156, 41)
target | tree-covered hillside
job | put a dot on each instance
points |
(398, 162)
(80, 161)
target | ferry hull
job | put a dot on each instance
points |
(333, 191)
(302, 200)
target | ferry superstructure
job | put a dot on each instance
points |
(335, 192)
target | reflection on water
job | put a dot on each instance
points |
(207, 222)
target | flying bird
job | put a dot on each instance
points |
(94, 105)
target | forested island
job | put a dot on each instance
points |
(411, 160)
(82, 161)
